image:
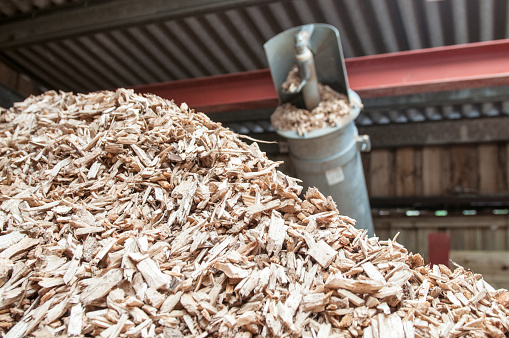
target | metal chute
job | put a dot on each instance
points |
(326, 158)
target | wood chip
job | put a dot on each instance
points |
(99, 287)
(125, 215)
(332, 108)
(75, 320)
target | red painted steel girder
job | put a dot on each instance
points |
(481, 64)
(219, 93)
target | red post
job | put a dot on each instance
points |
(439, 245)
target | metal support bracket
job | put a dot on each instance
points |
(363, 143)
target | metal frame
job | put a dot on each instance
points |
(455, 67)
(447, 202)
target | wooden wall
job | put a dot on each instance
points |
(479, 243)
(477, 232)
(437, 170)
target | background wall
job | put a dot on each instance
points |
(474, 169)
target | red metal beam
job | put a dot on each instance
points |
(472, 65)
(454, 67)
(219, 93)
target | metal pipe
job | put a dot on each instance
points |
(329, 159)
(307, 70)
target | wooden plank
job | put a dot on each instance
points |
(467, 232)
(493, 265)
(502, 167)
(445, 159)
(383, 230)
(418, 177)
(464, 170)
(380, 172)
(488, 168)
(366, 167)
(478, 237)
(422, 242)
(506, 173)
(408, 237)
(451, 222)
(405, 171)
(495, 238)
(457, 242)
(432, 171)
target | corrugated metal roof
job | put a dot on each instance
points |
(19, 8)
(232, 41)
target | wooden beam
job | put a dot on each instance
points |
(480, 130)
(441, 201)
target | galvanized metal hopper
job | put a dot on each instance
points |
(326, 158)
(323, 42)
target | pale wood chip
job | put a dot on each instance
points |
(99, 287)
(75, 320)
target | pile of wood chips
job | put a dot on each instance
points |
(127, 216)
(331, 109)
